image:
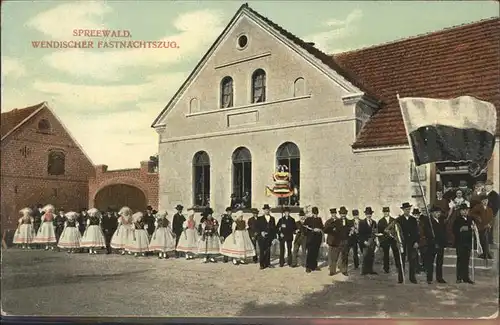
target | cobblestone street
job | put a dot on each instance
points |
(55, 283)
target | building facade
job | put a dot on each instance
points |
(261, 97)
(41, 163)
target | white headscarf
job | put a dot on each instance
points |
(137, 216)
(71, 215)
(48, 208)
(27, 212)
(94, 213)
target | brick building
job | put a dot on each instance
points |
(136, 188)
(40, 163)
(262, 97)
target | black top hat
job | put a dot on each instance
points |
(266, 207)
(228, 209)
(154, 211)
(61, 209)
(368, 210)
(286, 209)
(302, 213)
(255, 211)
(109, 209)
(463, 206)
(416, 211)
(315, 210)
(386, 209)
(435, 208)
(355, 212)
(179, 207)
(406, 205)
(207, 212)
(333, 210)
(149, 207)
(342, 210)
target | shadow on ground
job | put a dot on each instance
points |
(382, 296)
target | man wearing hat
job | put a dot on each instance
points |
(109, 224)
(314, 233)
(300, 240)
(177, 222)
(150, 219)
(387, 242)
(410, 239)
(463, 232)
(286, 228)
(338, 230)
(435, 241)
(252, 232)
(226, 227)
(265, 227)
(421, 243)
(367, 241)
(483, 216)
(494, 204)
(354, 238)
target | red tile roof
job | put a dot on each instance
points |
(463, 60)
(11, 119)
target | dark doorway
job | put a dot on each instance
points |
(119, 195)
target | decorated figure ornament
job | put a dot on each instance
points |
(282, 179)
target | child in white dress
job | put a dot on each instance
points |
(70, 236)
(25, 232)
(139, 241)
(238, 244)
(93, 238)
(46, 233)
(163, 239)
(188, 242)
(124, 231)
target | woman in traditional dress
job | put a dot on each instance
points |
(163, 239)
(25, 232)
(188, 242)
(238, 244)
(46, 234)
(124, 231)
(93, 238)
(138, 241)
(70, 236)
(209, 243)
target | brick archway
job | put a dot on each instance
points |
(105, 187)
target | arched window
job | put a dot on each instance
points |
(242, 178)
(201, 179)
(56, 163)
(44, 126)
(226, 92)
(299, 87)
(259, 86)
(288, 154)
(194, 105)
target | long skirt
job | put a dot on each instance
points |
(121, 236)
(211, 245)
(238, 245)
(138, 242)
(93, 237)
(46, 234)
(70, 238)
(24, 234)
(162, 240)
(188, 242)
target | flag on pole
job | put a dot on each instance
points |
(459, 129)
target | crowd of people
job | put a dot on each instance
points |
(416, 238)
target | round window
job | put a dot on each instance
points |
(242, 41)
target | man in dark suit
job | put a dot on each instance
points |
(367, 241)
(410, 239)
(109, 224)
(435, 240)
(226, 227)
(300, 240)
(59, 223)
(494, 204)
(314, 230)
(286, 228)
(265, 227)
(177, 222)
(387, 242)
(463, 231)
(149, 219)
(252, 232)
(338, 230)
(354, 238)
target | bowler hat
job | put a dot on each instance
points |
(286, 209)
(368, 210)
(333, 210)
(435, 208)
(314, 210)
(154, 211)
(342, 210)
(355, 212)
(302, 213)
(207, 211)
(416, 211)
(255, 211)
(266, 207)
(179, 207)
(386, 209)
(463, 206)
(149, 207)
(406, 205)
(228, 209)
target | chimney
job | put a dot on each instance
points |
(310, 43)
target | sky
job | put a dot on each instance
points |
(108, 98)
